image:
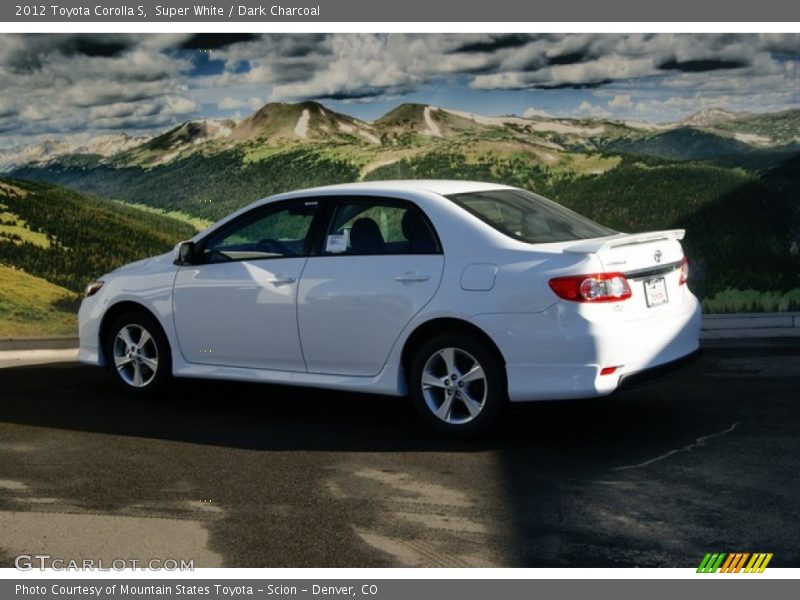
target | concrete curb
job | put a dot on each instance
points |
(21, 358)
(39, 343)
(751, 325)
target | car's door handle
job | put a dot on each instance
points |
(281, 278)
(411, 276)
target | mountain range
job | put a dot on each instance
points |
(51, 149)
(418, 127)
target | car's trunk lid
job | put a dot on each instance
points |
(651, 262)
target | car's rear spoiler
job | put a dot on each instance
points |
(623, 239)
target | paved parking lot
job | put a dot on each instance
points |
(251, 476)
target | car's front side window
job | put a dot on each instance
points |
(276, 233)
(373, 227)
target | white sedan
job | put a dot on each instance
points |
(464, 295)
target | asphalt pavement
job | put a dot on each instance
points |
(241, 475)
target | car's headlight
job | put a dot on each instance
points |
(93, 288)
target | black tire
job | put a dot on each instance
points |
(150, 381)
(459, 419)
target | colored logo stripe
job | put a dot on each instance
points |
(711, 562)
(734, 562)
(758, 563)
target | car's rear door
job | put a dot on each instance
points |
(379, 263)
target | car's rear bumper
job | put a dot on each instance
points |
(559, 354)
(654, 374)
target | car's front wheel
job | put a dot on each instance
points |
(138, 353)
(458, 385)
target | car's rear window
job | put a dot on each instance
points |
(529, 217)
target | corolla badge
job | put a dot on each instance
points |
(657, 256)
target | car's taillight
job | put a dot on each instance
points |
(596, 287)
(684, 271)
(608, 370)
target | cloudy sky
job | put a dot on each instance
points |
(86, 85)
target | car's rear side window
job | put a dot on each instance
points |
(529, 217)
(379, 226)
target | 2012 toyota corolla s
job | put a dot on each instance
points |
(464, 295)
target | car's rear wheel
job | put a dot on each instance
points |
(138, 353)
(458, 385)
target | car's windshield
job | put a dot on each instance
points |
(529, 217)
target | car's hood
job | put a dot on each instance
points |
(146, 265)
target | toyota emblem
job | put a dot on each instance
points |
(657, 256)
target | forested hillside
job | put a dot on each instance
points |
(206, 186)
(68, 237)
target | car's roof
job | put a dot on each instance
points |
(437, 186)
(440, 187)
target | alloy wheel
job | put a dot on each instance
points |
(135, 355)
(454, 386)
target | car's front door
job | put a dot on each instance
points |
(237, 305)
(379, 264)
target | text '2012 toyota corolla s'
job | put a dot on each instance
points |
(464, 295)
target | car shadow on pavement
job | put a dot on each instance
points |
(270, 417)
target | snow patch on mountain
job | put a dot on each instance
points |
(753, 139)
(645, 126)
(47, 150)
(217, 129)
(560, 127)
(432, 127)
(301, 129)
(108, 145)
(484, 120)
(710, 116)
(370, 137)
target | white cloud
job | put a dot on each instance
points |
(178, 105)
(155, 113)
(32, 112)
(69, 83)
(124, 109)
(8, 107)
(588, 109)
(621, 101)
(533, 112)
(229, 103)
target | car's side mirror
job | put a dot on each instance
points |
(185, 253)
